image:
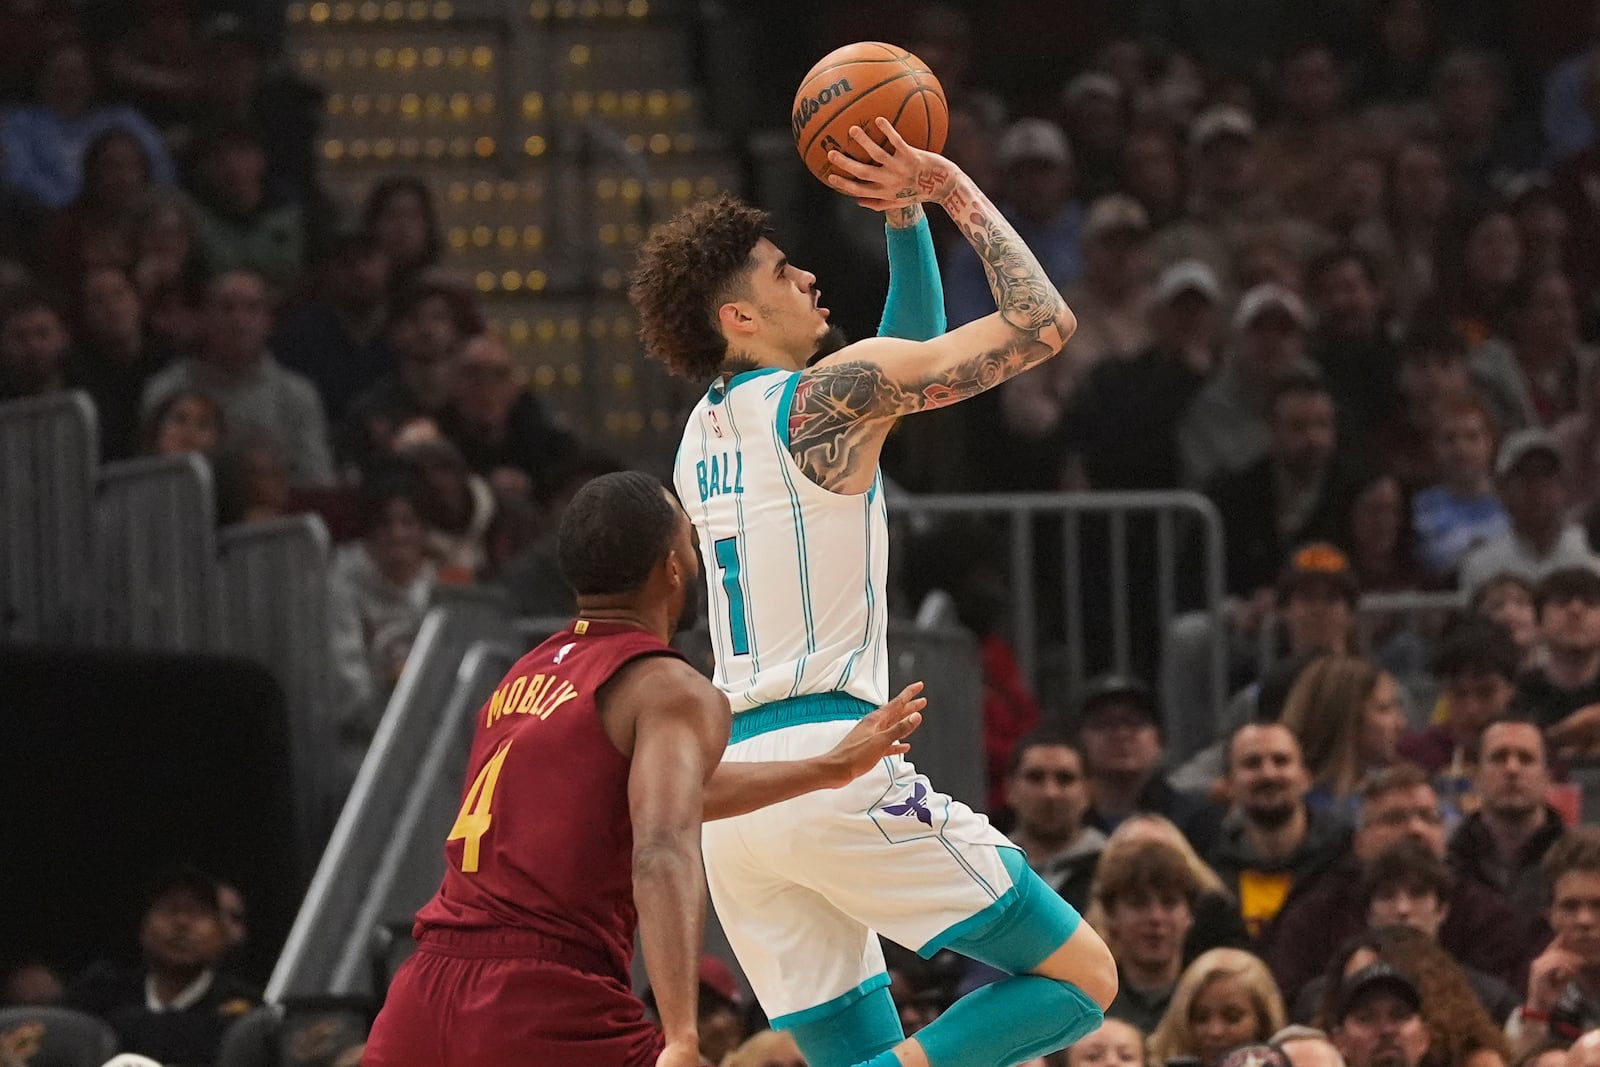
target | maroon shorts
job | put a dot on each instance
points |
(465, 1000)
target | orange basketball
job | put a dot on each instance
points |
(855, 84)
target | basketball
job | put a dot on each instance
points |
(853, 85)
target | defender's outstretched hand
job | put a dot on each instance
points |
(882, 733)
(898, 176)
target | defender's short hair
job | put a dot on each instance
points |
(685, 271)
(617, 528)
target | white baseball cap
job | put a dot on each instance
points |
(1034, 139)
(1188, 276)
(1263, 298)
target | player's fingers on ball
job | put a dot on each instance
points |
(850, 165)
(869, 146)
(848, 186)
(896, 142)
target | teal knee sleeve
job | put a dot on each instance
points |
(845, 1032)
(1010, 1022)
(1027, 928)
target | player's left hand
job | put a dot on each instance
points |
(882, 733)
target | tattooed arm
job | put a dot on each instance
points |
(844, 406)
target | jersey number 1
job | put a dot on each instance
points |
(472, 821)
(727, 552)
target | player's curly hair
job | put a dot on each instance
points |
(685, 271)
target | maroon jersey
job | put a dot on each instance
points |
(543, 842)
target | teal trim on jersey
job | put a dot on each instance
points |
(797, 711)
(866, 638)
(738, 513)
(745, 376)
(868, 1025)
(785, 404)
(713, 617)
(1019, 931)
(831, 1007)
(785, 461)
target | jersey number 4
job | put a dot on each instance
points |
(472, 821)
(727, 553)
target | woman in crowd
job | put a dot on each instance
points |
(1225, 999)
(1348, 716)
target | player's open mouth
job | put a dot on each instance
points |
(816, 305)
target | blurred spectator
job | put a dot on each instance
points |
(1480, 930)
(1533, 487)
(1382, 551)
(1094, 115)
(426, 325)
(235, 918)
(1480, 265)
(1039, 180)
(532, 577)
(1356, 216)
(769, 1048)
(1148, 895)
(721, 1030)
(1578, 437)
(379, 589)
(1539, 379)
(1295, 493)
(457, 505)
(1504, 842)
(498, 424)
(156, 63)
(240, 225)
(188, 420)
(1470, 99)
(1306, 1046)
(1348, 717)
(1379, 1021)
(1119, 725)
(1273, 844)
(1546, 230)
(1563, 999)
(1225, 999)
(1048, 793)
(1152, 173)
(1569, 101)
(1562, 694)
(335, 339)
(258, 395)
(1476, 667)
(920, 993)
(1351, 345)
(400, 213)
(1507, 599)
(115, 359)
(1303, 151)
(1112, 303)
(1432, 378)
(252, 479)
(35, 346)
(1460, 511)
(42, 144)
(1421, 198)
(96, 229)
(1114, 1044)
(30, 983)
(1395, 66)
(1120, 428)
(1227, 428)
(177, 1006)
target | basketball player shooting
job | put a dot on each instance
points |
(592, 766)
(778, 469)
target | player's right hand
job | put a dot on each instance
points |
(882, 733)
(897, 176)
(680, 1054)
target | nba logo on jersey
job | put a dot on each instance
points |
(561, 653)
(716, 427)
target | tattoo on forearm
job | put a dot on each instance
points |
(1026, 297)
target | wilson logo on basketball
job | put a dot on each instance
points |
(807, 109)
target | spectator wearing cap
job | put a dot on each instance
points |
(1227, 427)
(1047, 791)
(177, 1006)
(1120, 427)
(1537, 378)
(1112, 300)
(35, 346)
(261, 399)
(1533, 487)
(42, 144)
(1119, 725)
(240, 225)
(1352, 346)
(1563, 693)
(1480, 930)
(1379, 1022)
(1041, 203)
(1304, 150)
(1272, 843)
(1094, 108)
(1461, 510)
(1503, 844)
(1563, 992)
(335, 338)
(1476, 667)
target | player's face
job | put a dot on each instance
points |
(785, 303)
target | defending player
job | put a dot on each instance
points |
(591, 767)
(779, 472)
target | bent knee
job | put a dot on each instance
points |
(1085, 962)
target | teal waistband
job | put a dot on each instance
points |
(813, 707)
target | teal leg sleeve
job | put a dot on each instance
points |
(1010, 1022)
(914, 310)
(844, 1034)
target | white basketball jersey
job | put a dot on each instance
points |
(795, 574)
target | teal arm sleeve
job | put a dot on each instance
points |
(914, 310)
